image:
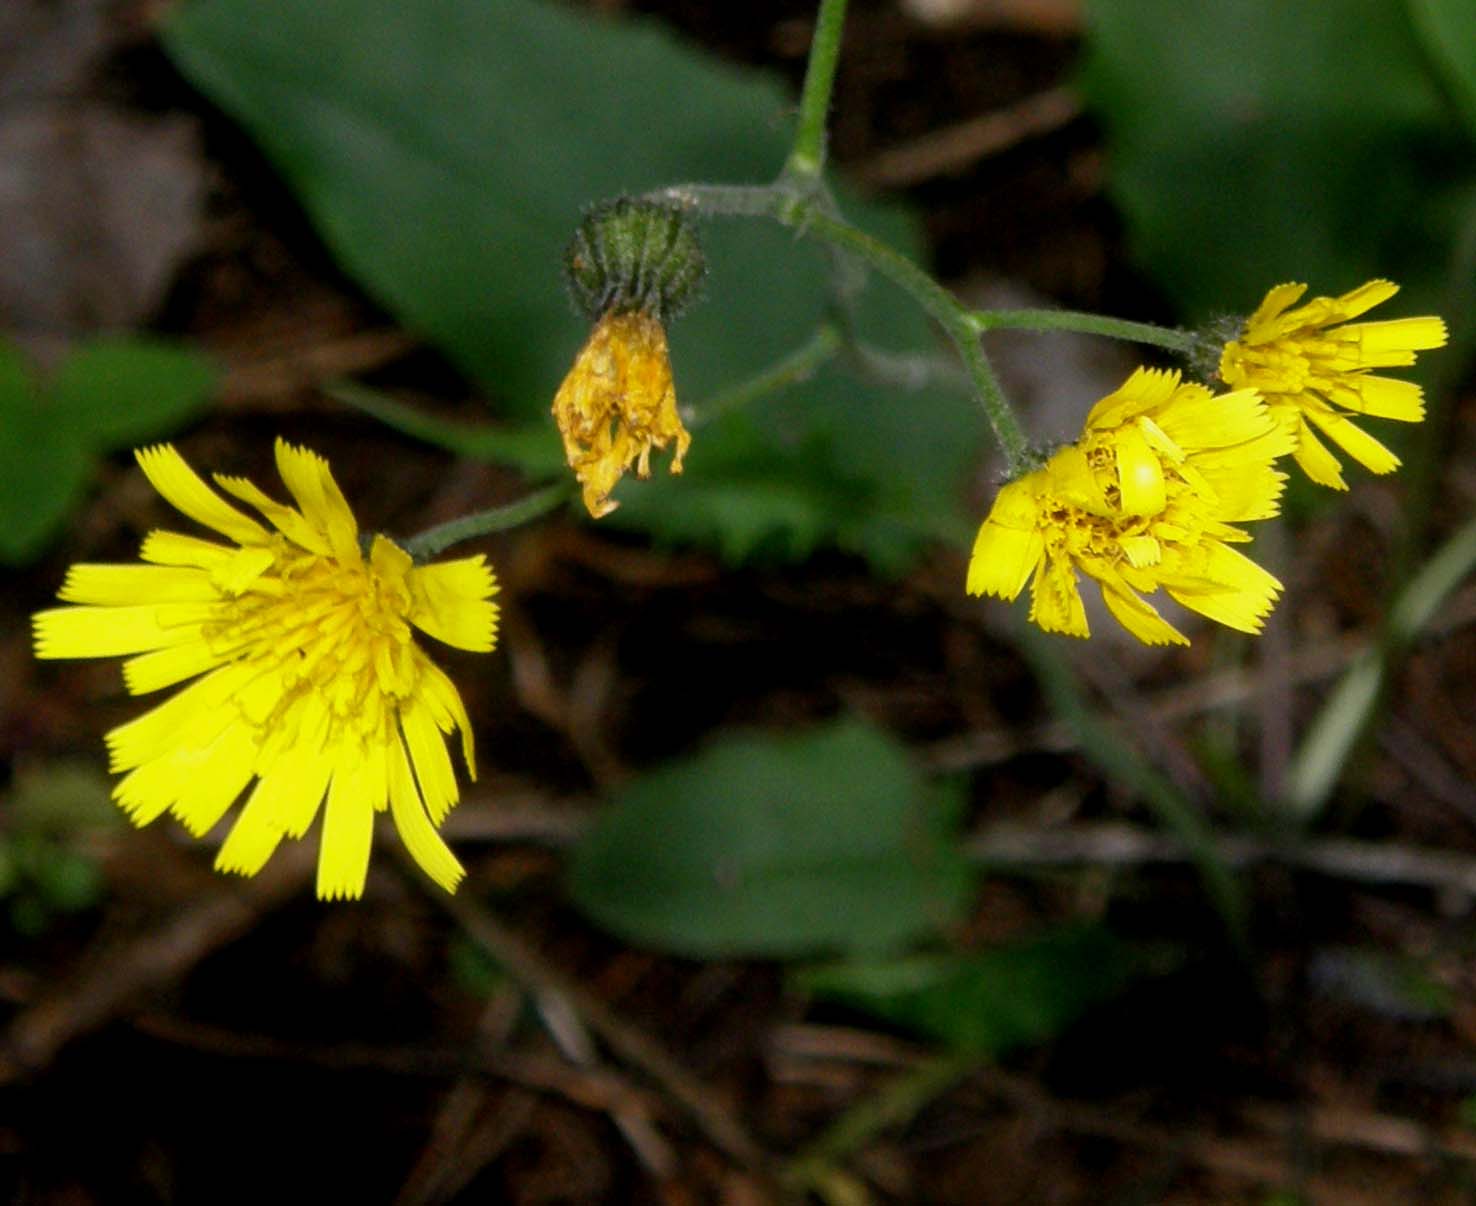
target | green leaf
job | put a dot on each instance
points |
(446, 148)
(63, 797)
(776, 846)
(52, 878)
(1449, 34)
(17, 389)
(473, 970)
(28, 916)
(106, 393)
(67, 882)
(43, 473)
(1256, 143)
(447, 171)
(118, 392)
(991, 1001)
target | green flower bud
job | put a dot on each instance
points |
(632, 255)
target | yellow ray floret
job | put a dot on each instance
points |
(1313, 366)
(306, 688)
(1147, 499)
(617, 404)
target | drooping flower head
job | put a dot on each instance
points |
(307, 689)
(617, 404)
(632, 267)
(1312, 365)
(1147, 498)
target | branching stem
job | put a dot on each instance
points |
(807, 216)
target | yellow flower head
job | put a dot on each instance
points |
(618, 403)
(307, 679)
(1311, 364)
(1145, 499)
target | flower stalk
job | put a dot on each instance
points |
(1181, 342)
(807, 156)
(427, 544)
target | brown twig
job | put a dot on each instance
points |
(485, 817)
(1245, 1158)
(1151, 731)
(271, 380)
(1041, 18)
(1109, 844)
(1120, 845)
(632, 1121)
(1241, 1159)
(1230, 688)
(627, 1041)
(115, 977)
(445, 1163)
(590, 1089)
(1427, 766)
(957, 147)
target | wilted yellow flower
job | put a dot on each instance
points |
(618, 403)
(1311, 364)
(308, 682)
(1147, 498)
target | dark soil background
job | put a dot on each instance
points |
(194, 1039)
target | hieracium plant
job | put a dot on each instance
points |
(294, 642)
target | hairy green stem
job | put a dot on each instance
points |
(807, 157)
(1088, 324)
(427, 544)
(945, 310)
(798, 365)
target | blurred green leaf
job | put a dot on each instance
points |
(66, 882)
(46, 878)
(117, 392)
(1448, 28)
(991, 1001)
(107, 393)
(473, 970)
(40, 874)
(28, 916)
(447, 170)
(777, 846)
(1253, 143)
(63, 797)
(17, 389)
(43, 472)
